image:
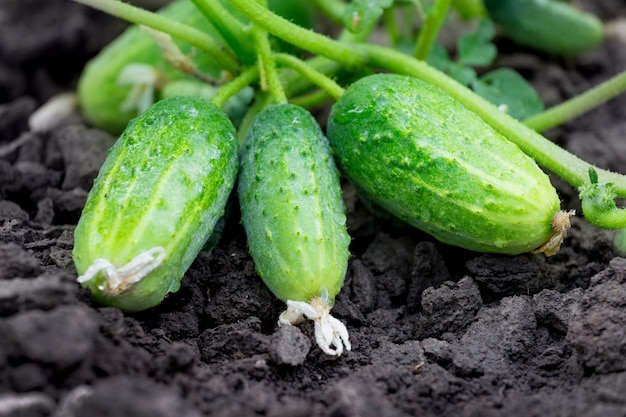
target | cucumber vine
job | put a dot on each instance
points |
(289, 189)
(352, 55)
(247, 56)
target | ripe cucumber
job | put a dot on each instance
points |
(164, 184)
(422, 156)
(547, 25)
(291, 205)
(294, 218)
(100, 94)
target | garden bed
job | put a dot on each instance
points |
(435, 330)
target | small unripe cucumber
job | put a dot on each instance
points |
(547, 25)
(100, 94)
(422, 156)
(164, 184)
(291, 205)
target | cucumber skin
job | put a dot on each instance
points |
(291, 205)
(422, 156)
(165, 183)
(551, 26)
(99, 94)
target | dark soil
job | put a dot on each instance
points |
(435, 330)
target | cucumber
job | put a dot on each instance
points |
(160, 192)
(293, 213)
(101, 96)
(547, 25)
(423, 157)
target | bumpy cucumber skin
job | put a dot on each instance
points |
(547, 25)
(291, 205)
(165, 183)
(422, 156)
(99, 94)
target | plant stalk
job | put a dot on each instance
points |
(578, 105)
(231, 88)
(316, 77)
(298, 36)
(267, 65)
(176, 29)
(232, 30)
(432, 24)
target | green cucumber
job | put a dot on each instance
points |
(292, 211)
(101, 96)
(423, 157)
(547, 25)
(164, 184)
(291, 205)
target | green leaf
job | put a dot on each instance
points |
(476, 48)
(506, 88)
(464, 75)
(363, 14)
(593, 176)
(438, 57)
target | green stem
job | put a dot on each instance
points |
(391, 25)
(261, 100)
(267, 65)
(176, 29)
(237, 38)
(233, 87)
(409, 16)
(578, 105)
(432, 24)
(566, 165)
(298, 36)
(612, 219)
(313, 75)
(346, 37)
(311, 100)
(296, 84)
(598, 203)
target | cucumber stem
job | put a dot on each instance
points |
(296, 84)
(598, 203)
(261, 100)
(432, 24)
(298, 36)
(233, 87)
(231, 29)
(611, 219)
(313, 75)
(267, 65)
(308, 101)
(391, 25)
(578, 105)
(186, 33)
